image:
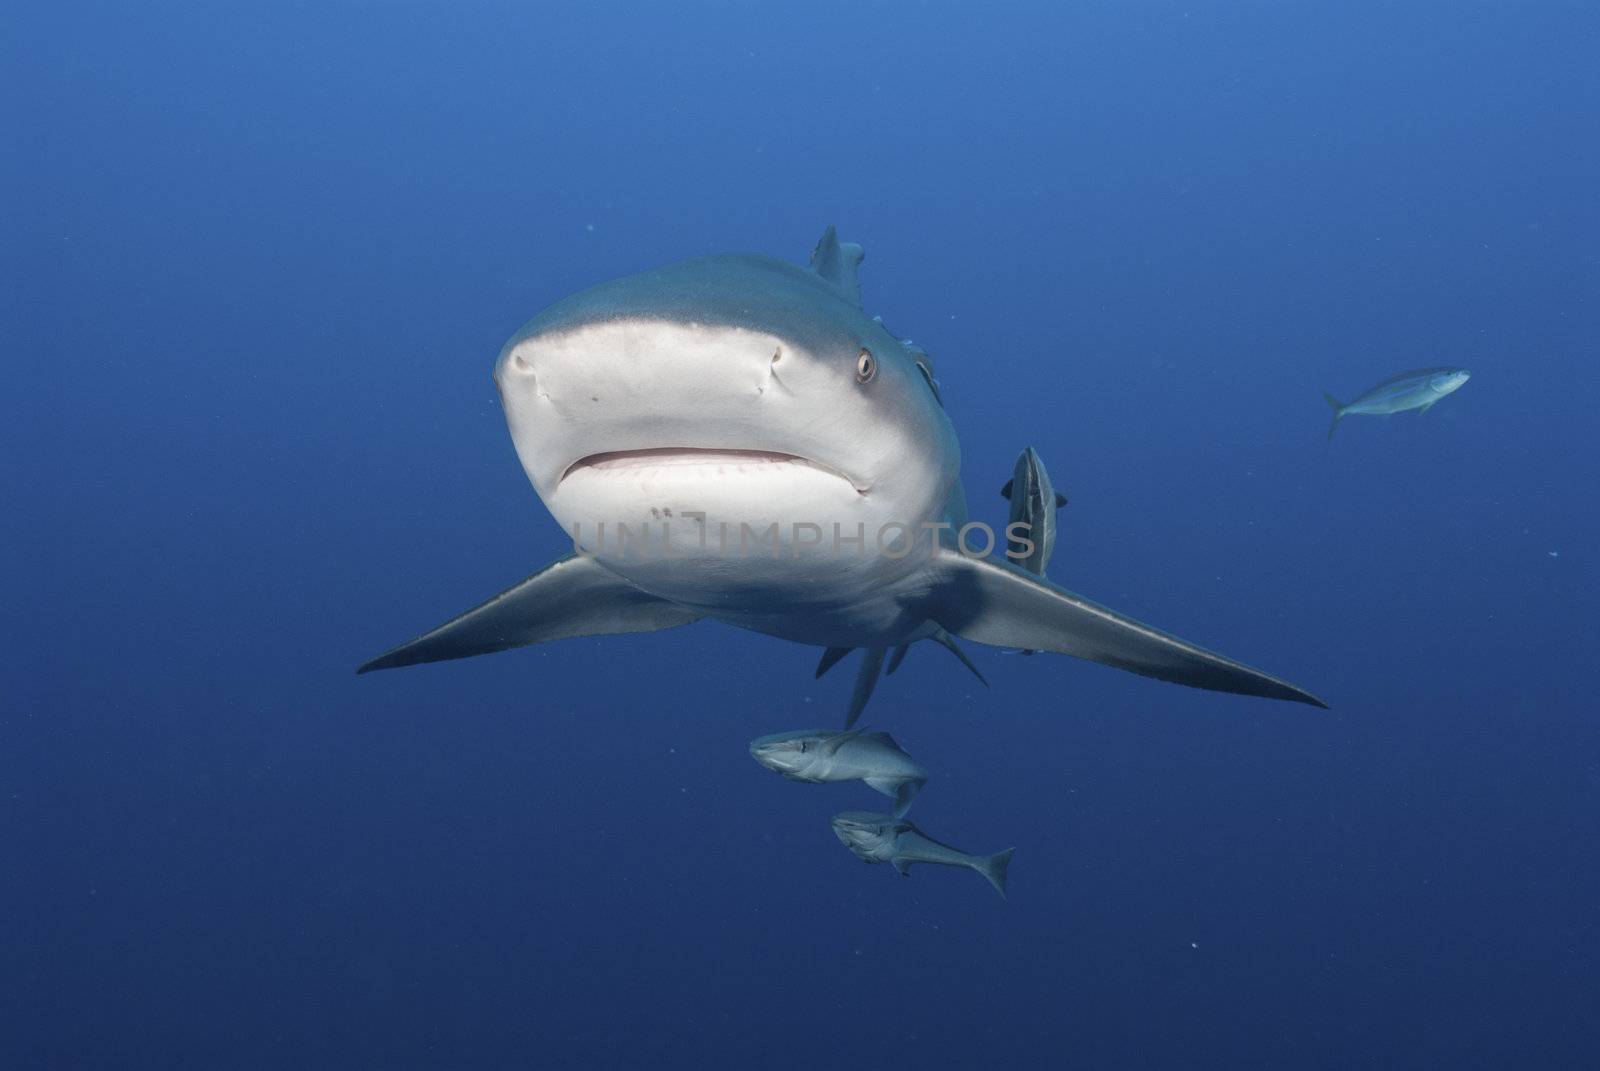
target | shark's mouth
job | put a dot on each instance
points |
(714, 463)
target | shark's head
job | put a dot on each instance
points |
(702, 403)
(789, 754)
(1447, 380)
(868, 834)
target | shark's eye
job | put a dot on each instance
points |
(866, 367)
(803, 745)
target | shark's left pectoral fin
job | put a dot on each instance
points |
(573, 596)
(990, 601)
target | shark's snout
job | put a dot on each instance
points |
(652, 393)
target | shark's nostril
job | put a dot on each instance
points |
(520, 363)
(772, 373)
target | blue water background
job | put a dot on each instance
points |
(258, 260)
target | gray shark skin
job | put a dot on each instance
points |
(817, 756)
(1419, 390)
(740, 393)
(884, 838)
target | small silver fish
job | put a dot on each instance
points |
(1419, 390)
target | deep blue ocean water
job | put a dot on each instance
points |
(259, 260)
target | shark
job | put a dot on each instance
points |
(732, 438)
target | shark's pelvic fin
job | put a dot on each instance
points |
(830, 658)
(866, 680)
(838, 262)
(574, 596)
(945, 640)
(948, 642)
(995, 602)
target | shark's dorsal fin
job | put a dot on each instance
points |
(837, 262)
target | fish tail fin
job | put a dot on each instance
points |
(994, 868)
(1338, 412)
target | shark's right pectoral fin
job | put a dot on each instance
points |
(573, 596)
(994, 602)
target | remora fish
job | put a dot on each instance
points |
(883, 838)
(737, 395)
(816, 756)
(1034, 502)
(1419, 390)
